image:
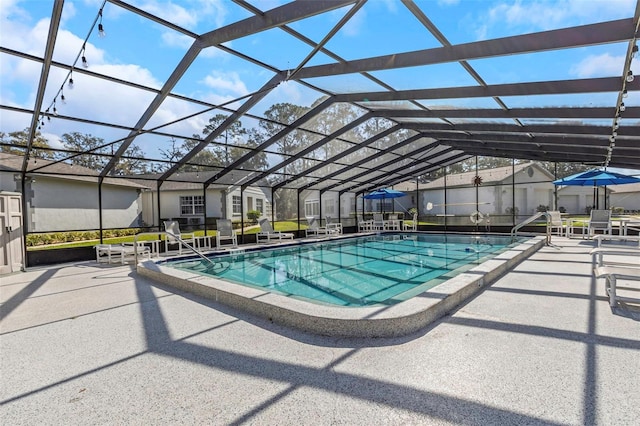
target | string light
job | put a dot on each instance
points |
(622, 107)
(630, 76)
(101, 32)
(84, 58)
(70, 81)
(634, 51)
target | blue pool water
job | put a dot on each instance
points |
(361, 271)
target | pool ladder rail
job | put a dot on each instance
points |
(212, 265)
(515, 229)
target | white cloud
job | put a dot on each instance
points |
(603, 65)
(543, 15)
(229, 82)
(213, 12)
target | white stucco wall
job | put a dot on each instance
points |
(219, 203)
(66, 205)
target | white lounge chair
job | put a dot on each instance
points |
(120, 253)
(314, 229)
(174, 236)
(267, 234)
(600, 220)
(225, 232)
(611, 275)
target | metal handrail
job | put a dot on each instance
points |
(171, 234)
(514, 230)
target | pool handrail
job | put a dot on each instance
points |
(180, 240)
(515, 229)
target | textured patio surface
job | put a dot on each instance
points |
(95, 344)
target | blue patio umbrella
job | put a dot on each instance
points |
(596, 178)
(383, 194)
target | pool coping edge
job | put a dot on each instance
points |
(371, 321)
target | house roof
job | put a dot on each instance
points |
(626, 188)
(488, 176)
(190, 181)
(55, 170)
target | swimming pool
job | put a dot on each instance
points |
(362, 271)
(372, 320)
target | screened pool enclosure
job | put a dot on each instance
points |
(120, 115)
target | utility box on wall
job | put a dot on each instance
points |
(11, 233)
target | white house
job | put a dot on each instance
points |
(311, 208)
(494, 193)
(187, 201)
(626, 197)
(579, 199)
(61, 197)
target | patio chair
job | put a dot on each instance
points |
(392, 223)
(174, 236)
(225, 232)
(334, 225)
(411, 225)
(315, 229)
(600, 220)
(378, 222)
(555, 223)
(365, 225)
(267, 233)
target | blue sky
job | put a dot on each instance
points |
(141, 51)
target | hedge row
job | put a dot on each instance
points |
(68, 237)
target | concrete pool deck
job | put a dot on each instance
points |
(97, 344)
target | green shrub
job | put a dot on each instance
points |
(254, 215)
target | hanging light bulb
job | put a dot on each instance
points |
(615, 133)
(630, 76)
(55, 111)
(622, 107)
(84, 58)
(634, 51)
(101, 32)
(624, 93)
(71, 81)
(612, 138)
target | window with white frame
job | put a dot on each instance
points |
(329, 207)
(236, 202)
(191, 205)
(260, 205)
(312, 208)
